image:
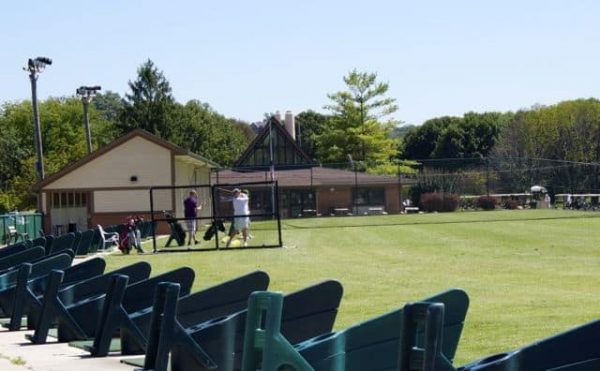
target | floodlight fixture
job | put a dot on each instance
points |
(34, 67)
(37, 65)
(86, 93)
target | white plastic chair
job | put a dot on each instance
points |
(108, 237)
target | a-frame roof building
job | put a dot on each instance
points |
(273, 142)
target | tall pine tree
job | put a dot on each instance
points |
(149, 104)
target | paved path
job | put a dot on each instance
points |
(18, 354)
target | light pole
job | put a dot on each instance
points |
(35, 67)
(86, 93)
(361, 100)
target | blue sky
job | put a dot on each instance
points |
(246, 58)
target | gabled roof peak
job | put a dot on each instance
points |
(176, 150)
(275, 127)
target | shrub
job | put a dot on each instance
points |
(434, 201)
(433, 182)
(486, 202)
(450, 202)
(430, 202)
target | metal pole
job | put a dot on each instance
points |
(213, 196)
(487, 177)
(362, 122)
(278, 215)
(152, 221)
(400, 188)
(86, 124)
(87, 93)
(355, 211)
(312, 191)
(272, 169)
(37, 135)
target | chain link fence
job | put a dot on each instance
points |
(360, 188)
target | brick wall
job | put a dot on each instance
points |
(341, 197)
(392, 199)
(330, 197)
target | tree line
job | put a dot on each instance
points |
(357, 127)
(149, 105)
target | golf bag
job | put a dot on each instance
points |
(212, 230)
(177, 232)
(130, 237)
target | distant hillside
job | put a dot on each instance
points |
(400, 131)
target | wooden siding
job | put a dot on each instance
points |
(131, 201)
(140, 157)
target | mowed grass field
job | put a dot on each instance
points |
(529, 273)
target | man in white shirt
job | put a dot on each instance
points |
(241, 221)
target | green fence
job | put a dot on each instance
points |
(30, 223)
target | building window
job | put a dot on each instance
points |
(68, 199)
(297, 201)
(369, 196)
(284, 152)
(55, 199)
(260, 201)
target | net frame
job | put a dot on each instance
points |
(214, 216)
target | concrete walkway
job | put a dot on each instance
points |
(18, 354)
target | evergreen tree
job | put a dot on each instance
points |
(149, 104)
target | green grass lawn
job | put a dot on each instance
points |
(529, 273)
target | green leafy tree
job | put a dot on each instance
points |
(401, 130)
(150, 103)
(62, 132)
(63, 142)
(109, 104)
(451, 142)
(473, 135)
(358, 126)
(309, 125)
(394, 167)
(208, 133)
(420, 142)
(106, 128)
(11, 161)
(568, 131)
(246, 130)
(482, 131)
(17, 161)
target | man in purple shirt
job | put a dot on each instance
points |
(190, 211)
